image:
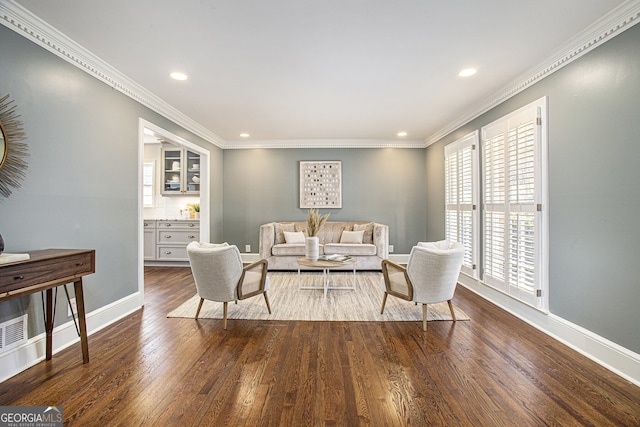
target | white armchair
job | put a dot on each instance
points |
(430, 277)
(219, 275)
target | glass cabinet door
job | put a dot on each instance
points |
(192, 175)
(172, 169)
(180, 171)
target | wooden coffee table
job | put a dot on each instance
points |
(326, 266)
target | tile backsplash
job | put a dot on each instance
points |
(170, 207)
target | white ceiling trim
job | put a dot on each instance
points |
(38, 31)
(324, 143)
(622, 18)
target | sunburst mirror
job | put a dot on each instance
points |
(13, 150)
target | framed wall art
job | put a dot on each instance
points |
(321, 184)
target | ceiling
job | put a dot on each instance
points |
(330, 70)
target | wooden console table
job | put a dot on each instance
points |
(45, 270)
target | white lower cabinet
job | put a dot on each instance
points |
(172, 238)
(150, 240)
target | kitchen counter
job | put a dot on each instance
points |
(170, 219)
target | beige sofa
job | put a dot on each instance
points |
(283, 256)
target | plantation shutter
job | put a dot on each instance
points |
(494, 208)
(451, 194)
(460, 197)
(511, 200)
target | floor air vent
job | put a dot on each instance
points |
(13, 333)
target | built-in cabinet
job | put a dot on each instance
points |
(180, 171)
(150, 240)
(167, 240)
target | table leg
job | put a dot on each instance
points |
(354, 276)
(325, 276)
(82, 320)
(48, 323)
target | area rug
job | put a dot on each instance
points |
(290, 303)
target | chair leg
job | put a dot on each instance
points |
(453, 314)
(424, 317)
(199, 307)
(266, 299)
(384, 301)
(224, 315)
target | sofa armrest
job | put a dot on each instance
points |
(381, 239)
(267, 239)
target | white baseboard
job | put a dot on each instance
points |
(33, 351)
(608, 354)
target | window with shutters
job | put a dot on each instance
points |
(514, 225)
(461, 189)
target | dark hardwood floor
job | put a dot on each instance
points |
(494, 370)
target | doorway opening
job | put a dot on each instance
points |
(156, 196)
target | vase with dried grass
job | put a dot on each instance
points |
(312, 243)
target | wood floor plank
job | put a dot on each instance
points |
(147, 370)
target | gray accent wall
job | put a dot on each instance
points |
(594, 187)
(382, 185)
(81, 189)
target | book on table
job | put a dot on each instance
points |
(335, 257)
(6, 258)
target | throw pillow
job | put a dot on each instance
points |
(293, 236)
(352, 236)
(280, 229)
(368, 232)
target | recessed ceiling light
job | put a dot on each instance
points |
(402, 133)
(467, 72)
(178, 76)
(244, 135)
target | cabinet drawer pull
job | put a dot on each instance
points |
(192, 225)
(192, 237)
(18, 278)
(79, 264)
(167, 252)
(167, 236)
(167, 225)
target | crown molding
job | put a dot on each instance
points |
(323, 143)
(23, 22)
(610, 25)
